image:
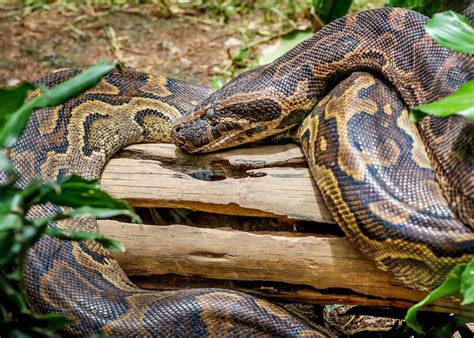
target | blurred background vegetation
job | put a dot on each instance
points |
(204, 41)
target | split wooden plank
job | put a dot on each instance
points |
(265, 181)
(319, 269)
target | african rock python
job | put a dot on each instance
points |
(365, 155)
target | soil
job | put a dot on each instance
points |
(177, 46)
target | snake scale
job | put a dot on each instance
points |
(347, 87)
(363, 152)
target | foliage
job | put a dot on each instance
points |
(15, 113)
(461, 102)
(427, 7)
(460, 280)
(19, 232)
(329, 10)
(288, 42)
(452, 31)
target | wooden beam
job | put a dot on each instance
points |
(318, 269)
(270, 181)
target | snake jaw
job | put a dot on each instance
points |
(191, 135)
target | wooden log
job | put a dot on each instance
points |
(318, 269)
(267, 181)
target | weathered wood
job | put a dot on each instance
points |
(318, 269)
(263, 181)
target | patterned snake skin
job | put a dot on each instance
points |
(82, 280)
(365, 155)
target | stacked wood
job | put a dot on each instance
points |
(273, 182)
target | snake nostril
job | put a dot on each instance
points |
(176, 128)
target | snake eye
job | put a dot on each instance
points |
(210, 113)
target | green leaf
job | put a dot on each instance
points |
(52, 321)
(103, 213)
(329, 10)
(287, 42)
(452, 31)
(16, 275)
(461, 102)
(85, 211)
(450, 286)
(11, 103)
(467, 284)
(75, 85)
(17, 121)
(13, 296)
(74, 191)
(5, 164)
(10, 221)
(427, 7)
(11, 99)
(110, 244)
(446, 327)
(9, 248)
(216, 83)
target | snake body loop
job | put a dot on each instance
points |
(417, 240)
(363, 152)
(81, 279)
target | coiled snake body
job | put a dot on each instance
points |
(356, 157)
(364, 154)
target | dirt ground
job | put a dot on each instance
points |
(180, 46)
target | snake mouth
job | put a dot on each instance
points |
(199, 136)
(202, 136)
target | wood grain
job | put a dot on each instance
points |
(268, 181)
(265, 181)
(317, 269)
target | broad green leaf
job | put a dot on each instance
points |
(449, 287)
(103, 213)
(329, 10)
(461, 102)
(10, 221)
(467, 284)
(13, 296)
(14, 126)
(76, 192)
(52, 321)
(110, 244)
(216, 83)
(86, 211)
(427, 7)
(452, 31)
(5, 164)
(12, 203)
(9, 247)
(11, 104)
(75, 85)
(287, 42)
(11, 99)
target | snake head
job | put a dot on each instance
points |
(242, 111)
(223, 123)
